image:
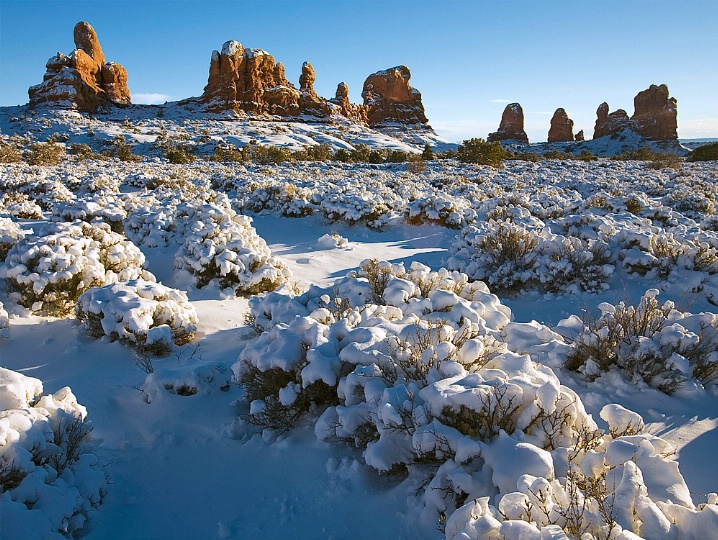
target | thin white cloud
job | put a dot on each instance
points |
(500, 101)
(150, 99)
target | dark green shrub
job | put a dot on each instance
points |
(9, 154)
(49, 153)
(267, 155)
(707, 152)
(231, 154)
(428, 153)
(587, 156)
(179, 155)
(481, 152)
(397, 156)
(342, 155)
(360, 153)
(122, 150)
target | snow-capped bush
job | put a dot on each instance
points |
(21, 206)
(50, 270)
(415, 368)
(442, 210)
(224, 246)
(332, 241)
(144, 313)
(653, 343)
(503, 254)
(92, 209)
(10, 234)
(50, 481)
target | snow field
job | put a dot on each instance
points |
(420, 375)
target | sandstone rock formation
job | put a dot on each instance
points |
(82, 79)
(655, 114)
(389, 98)
(561, 129)
(608, 124)
(248, 80)
(511, 127)
(346, 107)
(309, 102)
(580, 137)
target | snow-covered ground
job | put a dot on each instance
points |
(173, 434)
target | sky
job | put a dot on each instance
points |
(469, 59)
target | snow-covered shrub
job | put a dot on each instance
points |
(47, 272)
(653, 343)
(291, 366)
(224, 246)
(21, 206)
(503, 254)
(618, 486)
(442, 210)
(428, 386)
(573, 261)
(50, 481)
(284, 198)
(144, 313)
(10, 234)
(92, 209)
(332, 241)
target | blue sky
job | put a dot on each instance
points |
(468, 58)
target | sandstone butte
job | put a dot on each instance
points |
(655, 116)
(250, 80)
(561, 129)
(511, 127)
(82, 79)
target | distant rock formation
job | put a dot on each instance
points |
(389, 98)
(608, 124)
(309, 102)
(561, 127)
(511, 127)
(346, 107)
(655, 114)
(82, 79)
(580, 137)
(248, 80)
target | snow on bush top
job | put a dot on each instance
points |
(224, 246)
(51, 483)
(142, 312)
(48, 271)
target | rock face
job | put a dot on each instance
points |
(346, 107)
(580, 137)
(511, 127)
(309, 102)
(82, 79)
(608, 124)
(561, 127)
(389, 98)
(249, 80)
(655, 114)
